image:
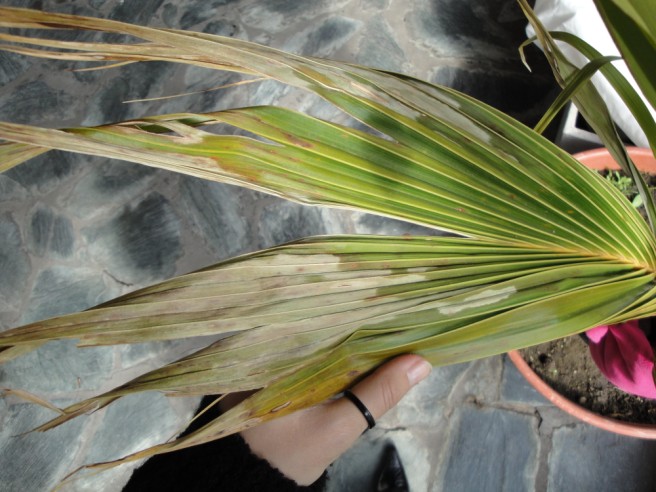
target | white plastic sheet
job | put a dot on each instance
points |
(580, 17)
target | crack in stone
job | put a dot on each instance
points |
(118, 281)
(399, 428)
(538, 415)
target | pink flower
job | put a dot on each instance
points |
(625, 356)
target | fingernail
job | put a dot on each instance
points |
(419, 371)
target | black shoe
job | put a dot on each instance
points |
(391, 476)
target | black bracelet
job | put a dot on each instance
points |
(363, 409)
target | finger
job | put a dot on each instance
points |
(383, 389)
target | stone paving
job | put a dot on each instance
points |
(481, 427)
(76, 231)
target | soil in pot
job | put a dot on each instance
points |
(566, 365)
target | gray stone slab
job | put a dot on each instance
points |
(61, 289)
(490, 450)
(587, 459)
(379, 48)
(480, 383)
(375, 224)
(114, 178)
(10, 190)
(453, 29)
(139, 244)
(282, 222)
(215, 212)
(149, 415)
(46, 172)
(59, 367)
(204, 12)
(357, 470)
(34, 461)
(132, 82)
(14, 262)
(125, 12)
(26, 105)
(137, 353)
(105, 186)
(274, 16)
(11, 67)
(50, 232)
(515, 388)
(324, 39)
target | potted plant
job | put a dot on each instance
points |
(548, 249)
(600, 160)
(619, 361)
(622, 352)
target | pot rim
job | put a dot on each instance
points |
(599, 159)
(642, 431)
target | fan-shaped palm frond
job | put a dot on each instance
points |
(549, 248)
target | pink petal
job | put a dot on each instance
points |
(625, 356)
(596, 334)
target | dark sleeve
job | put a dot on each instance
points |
(223, 465)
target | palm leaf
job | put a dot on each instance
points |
(632, 24)
(473, 298)
(620, 85)
(577, 81)
(551, 248)
(594, 110)
(316, 162)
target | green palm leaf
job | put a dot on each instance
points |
(551, 248)
(591, 105)
(632, 23)
(621, 86)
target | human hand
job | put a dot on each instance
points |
(302, 445)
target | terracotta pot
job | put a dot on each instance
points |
(595, 159)
(600, 159)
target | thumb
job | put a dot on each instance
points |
(383, 389)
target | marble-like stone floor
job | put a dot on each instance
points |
(76, 231)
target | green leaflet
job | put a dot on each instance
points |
(628, 94)
(594, 110)
(632, 25)
(580, 78)
(317, 162)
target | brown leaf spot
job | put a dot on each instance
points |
(292, 139)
